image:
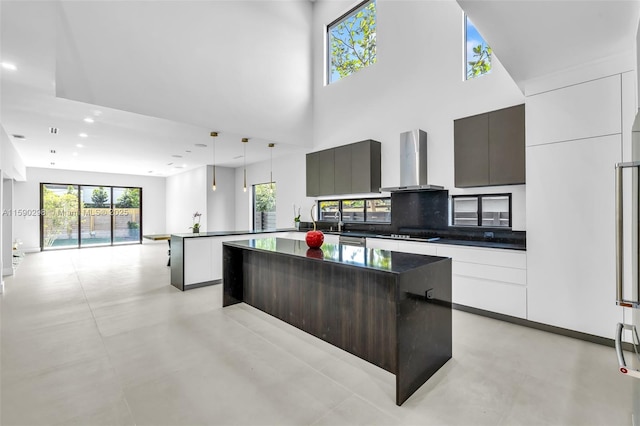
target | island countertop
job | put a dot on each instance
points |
(363, 257)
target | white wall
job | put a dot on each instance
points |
(289, 175)
(11, 168)
(11, 163)
(221, 203)
(7, 227)
(27, 196)
(186, 193)
(416, 83)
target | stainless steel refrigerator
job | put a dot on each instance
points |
(627, 276)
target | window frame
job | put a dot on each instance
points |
(327, 36)
(479, 211)
(112, 208)
(365, 209)
(465, 60)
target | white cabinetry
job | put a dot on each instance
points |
(571, 234)
(575, 112)
(418, 248)
(203, 256)
(491, 279)
(574, 139)
(382, 244)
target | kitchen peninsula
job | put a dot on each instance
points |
(196, 258)
(389, 308)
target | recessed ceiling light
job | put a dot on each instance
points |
(83, 135)
(19, 136)
(176, 156)
(201, 145)
(88, 120)
(9, 66)
(53, 130)
(79, 145)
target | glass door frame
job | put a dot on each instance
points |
(112, 209)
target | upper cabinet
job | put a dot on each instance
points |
(347, 169)
(489, 148)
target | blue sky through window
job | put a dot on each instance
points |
(348, 49)
(473, 39)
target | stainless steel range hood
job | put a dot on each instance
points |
(413, 163)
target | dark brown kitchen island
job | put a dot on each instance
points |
(389, 308)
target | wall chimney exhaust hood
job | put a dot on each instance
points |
(413, 163)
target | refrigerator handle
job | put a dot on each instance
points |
(620, 301)
(622, 365)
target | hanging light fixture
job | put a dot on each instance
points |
(244, 143)
(271, 145)
(213, 184)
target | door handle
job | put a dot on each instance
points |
(622, 365)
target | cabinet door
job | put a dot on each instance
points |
(342, 171)
(471, 151)
(365, 166)
(326, 172)
(313, 174)
(506, 146)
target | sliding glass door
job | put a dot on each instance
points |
(89, 216)
(126, 215)
(95, 212)
(59, 215)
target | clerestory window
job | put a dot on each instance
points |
(351, 41)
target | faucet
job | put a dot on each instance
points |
(338, 216)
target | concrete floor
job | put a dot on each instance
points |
(98, 337)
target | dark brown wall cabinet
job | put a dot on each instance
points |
(489, 148)
(347, 169)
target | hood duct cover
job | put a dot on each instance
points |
(413, 163)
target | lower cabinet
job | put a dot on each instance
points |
(491, 279)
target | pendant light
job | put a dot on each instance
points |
(244, 143)
(271, 145)
(214, 135)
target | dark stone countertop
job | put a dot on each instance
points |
(227, 233)
(362, 257)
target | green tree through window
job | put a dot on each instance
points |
(99, 197)
(352, 41)
(478, 53)
(264, 206)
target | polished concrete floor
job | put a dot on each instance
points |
(99, 337)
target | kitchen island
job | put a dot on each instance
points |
(391, 309)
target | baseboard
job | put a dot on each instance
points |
(545, 327)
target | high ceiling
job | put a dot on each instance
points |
(534, 38)
(156, 78)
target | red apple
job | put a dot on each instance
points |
(315, 253)
(315, 239)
